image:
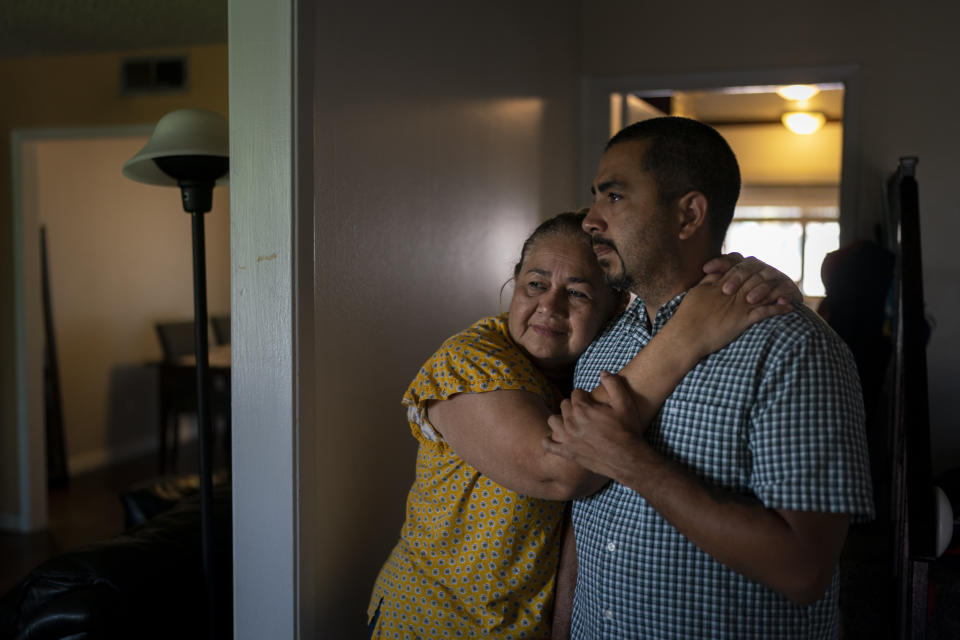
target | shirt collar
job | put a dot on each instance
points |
(637, 311)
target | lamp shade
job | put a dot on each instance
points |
(185, 132)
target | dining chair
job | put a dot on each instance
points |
(221, 329)
(177, 388)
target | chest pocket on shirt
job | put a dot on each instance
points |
(704, 424)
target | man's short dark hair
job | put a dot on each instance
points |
(685, 155)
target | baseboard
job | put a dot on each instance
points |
(102, 457)
(106, 456)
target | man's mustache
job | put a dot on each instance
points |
(595, 240)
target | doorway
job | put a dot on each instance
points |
(119, 260)
(796, 203)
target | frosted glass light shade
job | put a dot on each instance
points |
(798, 91)
(185, 132)
(803, 122)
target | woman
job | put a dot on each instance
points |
(478, 552)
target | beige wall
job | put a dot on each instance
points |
(444, 133)
(120, 259)
(907, 56)
(67, 92)
(769, 154)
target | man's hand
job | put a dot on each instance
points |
(759, 281)
(597, 431)
(792, 552)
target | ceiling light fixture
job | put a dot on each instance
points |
(798, 91)
(803, 122)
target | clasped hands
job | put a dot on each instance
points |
(599, 436)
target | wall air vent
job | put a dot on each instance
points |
(153, 75)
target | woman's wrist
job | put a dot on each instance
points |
(684, 343)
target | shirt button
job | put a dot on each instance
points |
(608, 614)
(611, 546)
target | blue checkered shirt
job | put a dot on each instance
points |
(777, 415)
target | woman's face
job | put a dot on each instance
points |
(560, 302)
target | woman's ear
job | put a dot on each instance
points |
(693, 214)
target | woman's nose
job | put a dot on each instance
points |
(552, 301)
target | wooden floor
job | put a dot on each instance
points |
(87, 510)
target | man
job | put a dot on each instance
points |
(727, 515)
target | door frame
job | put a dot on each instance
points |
(595, 117)
(276, 511)
(32, 514)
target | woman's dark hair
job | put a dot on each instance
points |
(566, 224)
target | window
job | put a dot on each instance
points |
(792, 237)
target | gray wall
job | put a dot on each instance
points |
(443, 135)
(907, 56)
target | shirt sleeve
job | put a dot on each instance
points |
(807, 438)
(480, 359)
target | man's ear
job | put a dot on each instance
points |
(693, 214)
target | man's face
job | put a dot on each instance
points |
(634, 237)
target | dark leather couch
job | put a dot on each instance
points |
(146, 583)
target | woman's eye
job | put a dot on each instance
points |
(537, 285)
(573, 293)
(613, 197)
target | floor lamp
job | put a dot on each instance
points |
(189, 149)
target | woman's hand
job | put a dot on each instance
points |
(709, 318)
(761, 282)
(734, 294)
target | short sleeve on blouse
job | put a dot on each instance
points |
(479, 359)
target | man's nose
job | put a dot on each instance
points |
(593, 221)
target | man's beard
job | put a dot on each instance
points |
(621, 282)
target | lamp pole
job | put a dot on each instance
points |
(189, 148)
(203, 413)
(196, 177)
(197, 196)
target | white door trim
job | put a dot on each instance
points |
(275, 511)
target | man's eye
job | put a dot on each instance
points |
(613, 197)
(573, 293)
(536, 285)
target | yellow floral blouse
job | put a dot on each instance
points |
(474, 559)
